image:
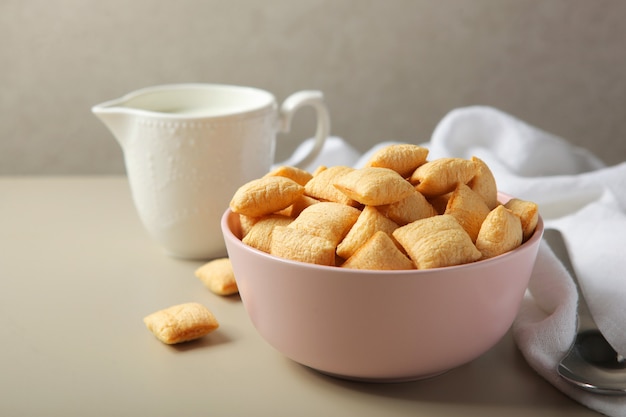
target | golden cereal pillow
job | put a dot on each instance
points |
(218, 276)
(327, 219)
(294, 173)
(436, 242)
(528, 212)
(321, 186)
(368, 223)
(379, 252)
(484, 183)
(409, 209)
(468, 208)
(265, 196)
(501, 232)
(402, 158)
(442, 175)
(298, 245)
(374, 186)
(260, 235)
(181, 323)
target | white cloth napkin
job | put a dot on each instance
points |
(576, 194)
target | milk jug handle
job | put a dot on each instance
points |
(289, 107)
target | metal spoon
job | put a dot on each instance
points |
(591, 363)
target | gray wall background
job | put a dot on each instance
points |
(390, 70)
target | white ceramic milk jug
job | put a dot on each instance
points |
(188, 147)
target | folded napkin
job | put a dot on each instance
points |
(578, 195)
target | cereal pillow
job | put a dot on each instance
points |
(327, 219)
(409, 209)
(374, 186)
(260, 235)
(402, 158)
(468, 208)
(298, 245)
(436, 242)
(501, 232)
(265, 196)
(442, 175)
(181, 323)
(299, 175)
(484, 183)
(218, 276)
(528, 213)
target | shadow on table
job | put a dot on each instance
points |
(212, 339)
(499, 377)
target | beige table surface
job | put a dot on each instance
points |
(77, 275)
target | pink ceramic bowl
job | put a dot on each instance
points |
(380, 325)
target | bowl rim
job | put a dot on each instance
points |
(525, 246)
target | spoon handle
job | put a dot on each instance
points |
(558, 246)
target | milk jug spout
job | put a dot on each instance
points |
(116, 117)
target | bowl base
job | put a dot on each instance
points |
(380, 380)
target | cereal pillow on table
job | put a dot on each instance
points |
(218, 276)
(181, 323)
